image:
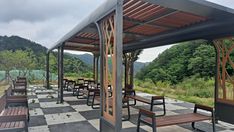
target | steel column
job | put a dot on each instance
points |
(58, 59)
(60, 74)
(94, 67)
(119, 57)
(48, 70)
(97, 67)
(101, 73)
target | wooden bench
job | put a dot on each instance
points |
(131, 94)
(15, 99)
(14, 126)
(153, 121)
(20, 87)
(14, 118)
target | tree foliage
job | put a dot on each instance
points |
(181, 61)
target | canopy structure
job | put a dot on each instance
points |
(121, 26)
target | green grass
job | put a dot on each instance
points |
(194, 90)
(3, 86)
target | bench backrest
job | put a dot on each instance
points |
(20, 85)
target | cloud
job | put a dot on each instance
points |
(40, 10)
(43, 21)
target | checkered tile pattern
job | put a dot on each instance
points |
(75, 116)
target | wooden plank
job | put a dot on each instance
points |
(141, 99)
(178, 119)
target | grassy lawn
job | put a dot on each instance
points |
(197, 91)
(191, 99)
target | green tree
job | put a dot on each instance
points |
(203, 61)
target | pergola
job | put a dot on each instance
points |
(120, 27)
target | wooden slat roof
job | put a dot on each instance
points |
(151, 23)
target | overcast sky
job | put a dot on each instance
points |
(46, 21)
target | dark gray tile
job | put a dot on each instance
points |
(45, 93)
(83, 126)
(134, 118)
(67, 95)
(32, 96)
(92, 114)
(204, 126)
(185, 104)
(48, 99)
(147, 107)
(132, 129)
(183, 111)
(77, 102)
(55, 110)
(34, 105)
(37, 121)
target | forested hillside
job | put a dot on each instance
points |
(18, 43)
(88, 59)
(195, 58)
(21, 54)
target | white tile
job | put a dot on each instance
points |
(52, 104)
(80, 108)
(46, 96)
(63, 118)
(72, 98)
(44, 91)
(127, 124)
(32, 101)
(166, 129)
(36, 112)
(95, 123)
(39, 129)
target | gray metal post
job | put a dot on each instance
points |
(58, 68)
(61, 73)
(216, 78)
(48, 70)
(94, 67)
(97, 67)
(101, 73)
(132, 74)
(119, 54)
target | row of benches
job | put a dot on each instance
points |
(92, 91)
(14, 113)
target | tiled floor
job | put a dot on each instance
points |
(75, 116)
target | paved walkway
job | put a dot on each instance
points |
(75, 116)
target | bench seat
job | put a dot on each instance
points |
(155, 100)
(12, 126)
(148, 117)
(145, 100)
(15, 111)
(179, 119)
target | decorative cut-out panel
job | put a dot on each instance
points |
(225, 74)
(109, 75)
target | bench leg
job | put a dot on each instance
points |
(213, 121)
(128, 110)
(193, 125)
(79, 94)
(26, 127)
(128, 118)
(138, 123)
(164, 107)
(154, 125)
(88, 100)
(93, 103)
